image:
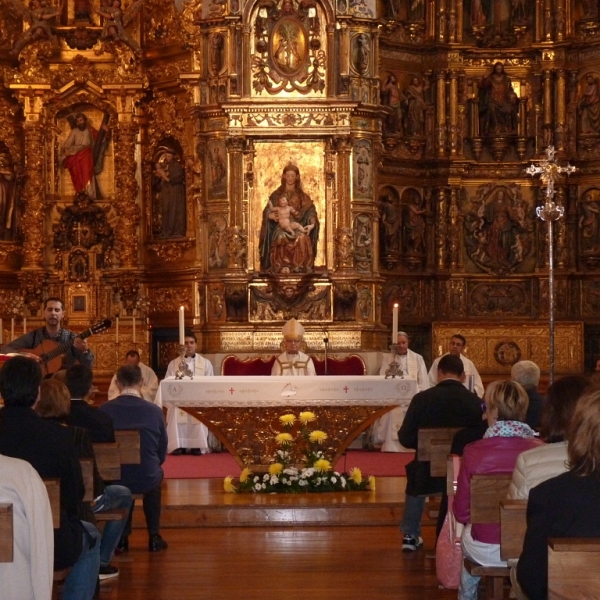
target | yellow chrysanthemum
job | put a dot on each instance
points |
(275, 468)
(245, 474)
(322, 465)
(372, 483)
(317, 436)
(288, 419)
(306, 417)
(284, 438)
(228, 486)
(355, 474)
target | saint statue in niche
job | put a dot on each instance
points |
(588, 106)
(498, 103)
(169, 182)
(290, 227)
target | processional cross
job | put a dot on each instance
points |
(550, 173)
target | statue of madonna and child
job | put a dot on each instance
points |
(290, 227)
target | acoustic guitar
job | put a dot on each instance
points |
(51, 353)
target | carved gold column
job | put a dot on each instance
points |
(561, 110)
(442, 18)
(459, 21)
(442, 230)
(235, 149)
(331, 44)
(547, 97)
(441, 112)
(246, 59)
(126, 193)
(344, 246)
(453, 110)
(32, 221)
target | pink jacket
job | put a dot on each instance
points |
(490, 456)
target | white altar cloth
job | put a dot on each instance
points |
(238, 390)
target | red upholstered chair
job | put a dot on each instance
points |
(232, 365)
(350, 365)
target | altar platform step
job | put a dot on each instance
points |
(204, 503)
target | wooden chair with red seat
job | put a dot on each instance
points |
(349, 365)
(258, 365)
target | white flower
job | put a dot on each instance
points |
(303, 482)
(264, 486)
(256, 479)
(258, 487)
(343, 480)
(266, 477)
(274, 480)
(333, 480)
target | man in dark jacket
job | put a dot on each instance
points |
(49, 449)
(78, 379)
(448, 404)
(131, 411)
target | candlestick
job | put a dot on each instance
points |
(1, 332)
(12, 329)
(395, 324)
(133, 330)
(117, 329)
(24, 325)
(181, 326)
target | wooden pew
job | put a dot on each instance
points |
(573, 567)
(434, 446)
(6, 533)
(108, 461)
(513, 524)
(129, 446)
(487, 491)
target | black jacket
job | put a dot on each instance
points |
(49, 449)
(99, 424)
(448, 404)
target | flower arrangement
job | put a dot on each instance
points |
(286, 478)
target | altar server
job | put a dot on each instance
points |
(184, 431)
(293, 361)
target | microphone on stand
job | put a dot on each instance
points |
(326, 342)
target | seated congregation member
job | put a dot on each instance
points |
(549, 460)
(527, 374)
(78, 380)
(507, 436)
(49, 449)
(130, 411)
(293, 361)
(410, 363)
(184, 430)
(29, 575)
(149, 378)
(457, 345)
(566, 505)
(54, 313)
(448, 404)
(55, 404)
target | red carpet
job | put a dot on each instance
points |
(379, 464)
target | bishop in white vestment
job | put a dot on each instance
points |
(293, 361)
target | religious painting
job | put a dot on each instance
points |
(588, 106)
(366, 9)
(217, 241)
(169, 194)
(413, 229)
(390, 222)
(217, 170)
(499, 229)
(363, 242)
(589, 223)
(362, 163)
(11, 187)
(289, 44)
(288, 208)
(84, 158)
(79, 268)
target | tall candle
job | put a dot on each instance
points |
(24, 325)
(395, 324)
(133, 318)
(117, 330)
(0, 332)
(12, 329)
(181, 326)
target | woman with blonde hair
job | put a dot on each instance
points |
(496, 454)
(566, 505)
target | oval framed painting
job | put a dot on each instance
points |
(289, 47)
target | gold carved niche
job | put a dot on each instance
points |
(270, 161)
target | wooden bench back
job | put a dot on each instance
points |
(434, 446)
(6, 533)
(108, 461)
(513, 524)
(129, 446)
(53, 489)
(573, 567)
(487, 491)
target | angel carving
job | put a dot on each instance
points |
(115, 22)
(38, 16)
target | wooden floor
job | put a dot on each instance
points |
(284, 559)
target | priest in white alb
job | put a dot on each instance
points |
(410, 365)
(184, 431)
(293, 361)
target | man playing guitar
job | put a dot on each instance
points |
(77, 349)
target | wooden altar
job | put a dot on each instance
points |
(244, 412)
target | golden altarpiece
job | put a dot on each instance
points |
(253, 160)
